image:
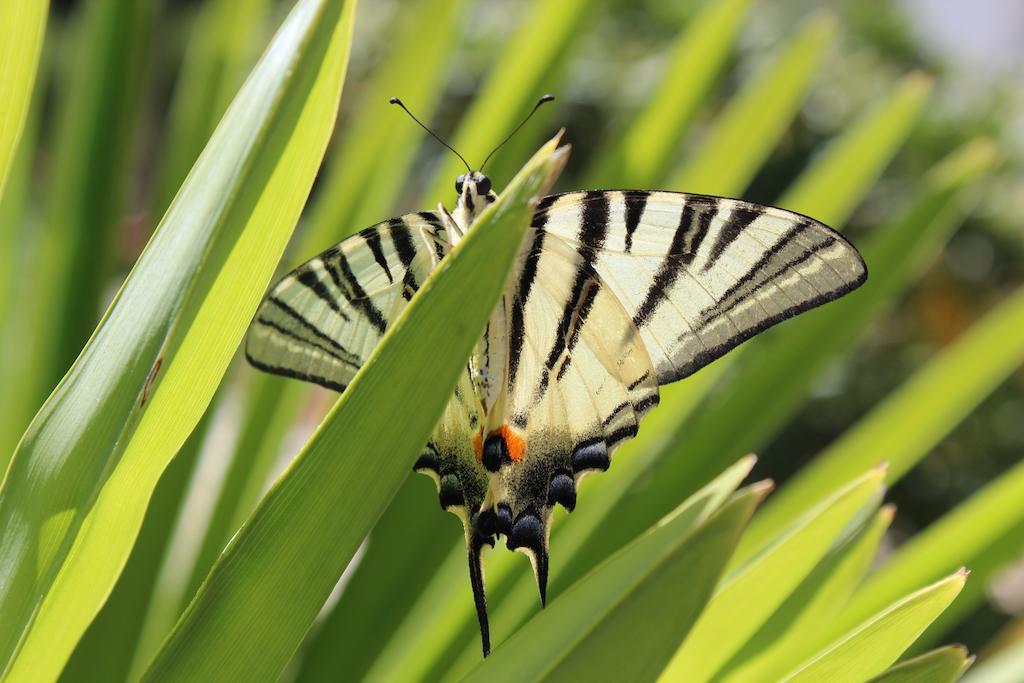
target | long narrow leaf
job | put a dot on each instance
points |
(945, 665)
(85, 199)
(366, 173)
(108, 647)
(76, 492)
(22, 25)
(18, 249)
(986, 565)
(265, 590)
(718, 634)
(221, 49)
(797, 629)
(362, 179)
(757, 116)
(873, 646)
(642, 154)
(524, 66)
(914, 418)
(955, 540)
(858, 156)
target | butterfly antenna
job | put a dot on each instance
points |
(395, 100)
(542, 100)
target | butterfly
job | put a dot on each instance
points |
(613, 294)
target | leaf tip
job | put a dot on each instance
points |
(762, 488)
(887, 512)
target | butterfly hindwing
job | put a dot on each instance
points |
(581, 382)
(322, 320)
(699, 274)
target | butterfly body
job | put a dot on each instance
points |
(612, 294)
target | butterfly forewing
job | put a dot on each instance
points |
(701, 274)
(322, 320)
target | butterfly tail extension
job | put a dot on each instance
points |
(475, 545)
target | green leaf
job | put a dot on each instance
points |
(359, 186)
(783, 566)
(389, 578)
(872, 647)
(642, 154)
(858, 156)
(977, 525)
(915, 417)
(985, 566)
(18, 248)
(944, 665)
(224, 43)
(270, 411)
(797, 629)
(264, 592)
(365, 173)
(78, 486)
(22, 25)
(1000, 667)
(99, 113)
(623, 620)
(110, 644)
(757, 116)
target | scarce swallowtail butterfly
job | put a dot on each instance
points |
(614, 293)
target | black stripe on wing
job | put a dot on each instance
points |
(355, 293)
(527, 277)
(294, 374)
(593, 231)
(636, 201)
(694, 222)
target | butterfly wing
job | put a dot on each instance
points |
(621, 292)
(700, 275)
(322, 320)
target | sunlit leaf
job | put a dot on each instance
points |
(78, 486)
(263, 593)
(718, 634)
(874, 645)
(945, 665)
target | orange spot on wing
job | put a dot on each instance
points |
(514, 443)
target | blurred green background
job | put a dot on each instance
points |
(129, 92)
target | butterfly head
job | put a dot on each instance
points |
(474, 187)
(475, 191)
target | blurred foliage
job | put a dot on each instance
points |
(129, 93)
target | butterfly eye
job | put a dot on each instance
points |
(483, 185)
(458, 183)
